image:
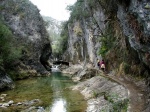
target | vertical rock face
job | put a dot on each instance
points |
(83, 41)
(120, 25)
(117, 30)
(84, 35)
(28, 28)
(135, 22)
(27, 25)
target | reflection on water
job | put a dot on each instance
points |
(59, 106)
(53, 91)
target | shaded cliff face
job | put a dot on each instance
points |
(27, 26)
(115, 30)
(5, 81)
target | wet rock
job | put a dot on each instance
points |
(32, 102)
(79, 72)
(5, 81)
(40, 109)
(19, 103)
(3, 95)
(74, 69)
(5, 105)
(87, 73)
(34, 109)
(10, 102)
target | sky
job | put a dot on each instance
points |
(54, 8)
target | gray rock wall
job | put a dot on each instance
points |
(25, 22)
(129, 21)
(132, 32)
(27, 25)
(135, 22)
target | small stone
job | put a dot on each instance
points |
(5, 105)
(19, 103)
(1, 98)
(3, 95)
(40, 109)
(10, 102)
(36, 100)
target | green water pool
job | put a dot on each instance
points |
(53, 92)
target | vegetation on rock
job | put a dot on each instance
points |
(10, 51)
(22, 36)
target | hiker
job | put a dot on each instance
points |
(102, 65)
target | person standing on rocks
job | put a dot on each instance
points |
(102, 65)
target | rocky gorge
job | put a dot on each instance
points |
(114, 30)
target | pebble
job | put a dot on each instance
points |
(5, 105)
(19, 103)
(3, 95)
(10, 102)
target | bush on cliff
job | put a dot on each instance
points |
(9, 51)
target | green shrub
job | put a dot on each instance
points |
(117, 105)
(103, 50)
(8, 49)
(78, 11)
(107, 40)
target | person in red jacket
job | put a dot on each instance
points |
(102, 65)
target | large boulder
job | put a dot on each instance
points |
(5, 81)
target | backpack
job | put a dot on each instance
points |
(103, 66)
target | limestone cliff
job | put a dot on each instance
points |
(28, 28)
(117, 31)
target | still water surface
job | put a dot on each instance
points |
(53, 91)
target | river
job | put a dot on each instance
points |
(53, 92)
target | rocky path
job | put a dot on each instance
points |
(137, 92)
(138, 100)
